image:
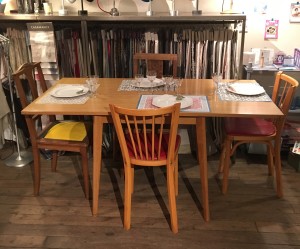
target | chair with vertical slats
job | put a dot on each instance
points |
(161, 63)
(258, 130)
(144, 142)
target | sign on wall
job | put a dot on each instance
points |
(271, 29)
(295, 12)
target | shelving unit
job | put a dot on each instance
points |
(85, 23)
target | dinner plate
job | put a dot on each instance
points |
(147, 84)
(168, 100)
(69, 91)
(245, 89)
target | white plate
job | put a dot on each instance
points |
(69, 91)
(147, 84)
(168, 100)
(245, 89)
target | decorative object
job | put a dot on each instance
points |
(82, 12)
(295, 12)
(173, 12)
(114, 11)
(197, 11)
(271, 29)
(149, 12)
(62, 11)
(230, 10)
(2, 7)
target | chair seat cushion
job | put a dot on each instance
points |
(249, 127)
(164, 146)
(69, 130)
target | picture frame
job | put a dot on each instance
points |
(295, 12)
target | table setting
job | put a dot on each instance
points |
(72, 93)
(241, 91)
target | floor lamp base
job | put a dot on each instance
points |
(19, 160)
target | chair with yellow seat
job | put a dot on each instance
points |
(259, 130)
(52, 135)
(145, 142)
(161, 63)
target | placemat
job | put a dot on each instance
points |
(49, 99)
(225, 95)
(200, 103)
(127, 85)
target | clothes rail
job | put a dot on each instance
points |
(18, 159)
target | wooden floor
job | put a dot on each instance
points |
(249, 216)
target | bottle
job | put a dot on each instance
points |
(262, 60)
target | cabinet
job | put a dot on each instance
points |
(135, 21)
(266, 76)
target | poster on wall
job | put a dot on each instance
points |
(295, 12)
(271, 29)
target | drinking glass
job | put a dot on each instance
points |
(217, 78)
(92, 83)
(138, 78)
(167, 79)
(151, 76)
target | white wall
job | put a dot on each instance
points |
(288, 38)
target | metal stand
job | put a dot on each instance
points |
(18, 159)
(197, 11)
(82, 12)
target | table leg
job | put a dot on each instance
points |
(202, 160)
(277, 151)
(97, 160)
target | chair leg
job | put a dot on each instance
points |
(85, 171)
(176, 175)
(37, 171)
(132, 179)
(172, 199)
(270, 160)
(54, 160)
(127, 196)
(278, 169)
(226, 164)
(222, 159)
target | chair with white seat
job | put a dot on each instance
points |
(259, 130)
(145, 142)
(54, 136)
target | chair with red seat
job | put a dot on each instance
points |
(258, 130)
(144, 142)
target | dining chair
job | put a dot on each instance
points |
(161, 63)
(145, 142)
(47, 133)
(259, 130)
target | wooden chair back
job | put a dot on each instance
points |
(284, 90)
(27, 79)
(163, 64)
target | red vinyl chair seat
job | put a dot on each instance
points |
(164, 146)
(249, 127)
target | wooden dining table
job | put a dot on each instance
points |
(108, 93)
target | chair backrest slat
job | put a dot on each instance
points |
(144, 131)
(151, 61)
